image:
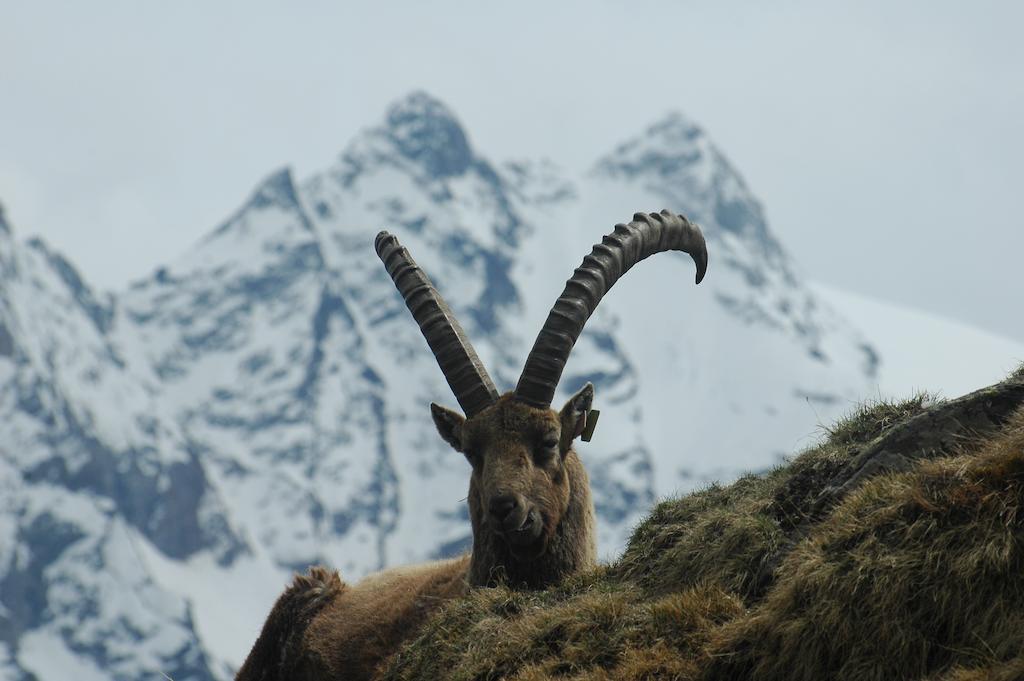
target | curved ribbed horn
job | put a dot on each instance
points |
(462, 368)
(646, 235)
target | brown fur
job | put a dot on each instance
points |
(279, 646)
(366, 624)
(320, 630)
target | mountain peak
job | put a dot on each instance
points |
(666, 147)
(677, 160)
(676, 130)
(278, 188)
(426, 131)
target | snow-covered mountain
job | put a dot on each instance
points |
(171, 452)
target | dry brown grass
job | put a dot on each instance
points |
(914, 575)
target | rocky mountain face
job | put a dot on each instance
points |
(171, 452)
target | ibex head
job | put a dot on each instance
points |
(529, 496)
(521, 485)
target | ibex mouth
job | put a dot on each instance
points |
(526, 538)
(527, 526)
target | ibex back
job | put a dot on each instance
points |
(529, 497)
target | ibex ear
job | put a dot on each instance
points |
(574, 415)
(449, 424)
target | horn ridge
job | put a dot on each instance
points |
(459, 363)
(617, 252)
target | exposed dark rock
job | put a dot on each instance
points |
(938, 431)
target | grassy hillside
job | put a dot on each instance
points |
(892, 550)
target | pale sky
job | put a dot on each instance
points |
(884, 139)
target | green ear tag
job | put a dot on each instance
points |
(590, 425)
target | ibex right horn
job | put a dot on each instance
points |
(646, 235)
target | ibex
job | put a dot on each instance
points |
(529, 497)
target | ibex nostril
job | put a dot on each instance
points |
(503, 506)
